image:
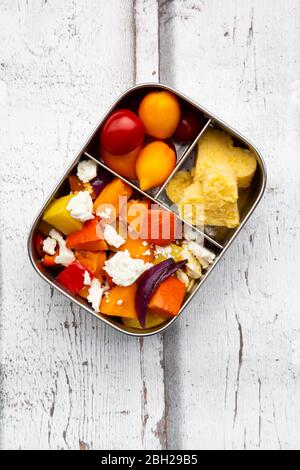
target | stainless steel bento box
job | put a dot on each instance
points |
(219, 241)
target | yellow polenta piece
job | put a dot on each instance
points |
(208, 194)
(59, 217)
(199, 209)
(178, 184)
(216, 147)
(219, 184)
(244, 163)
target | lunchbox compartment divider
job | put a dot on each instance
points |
(156, 201)
(182, 159)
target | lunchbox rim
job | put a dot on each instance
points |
(215, 120)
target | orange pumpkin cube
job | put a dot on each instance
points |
(167, 299)
(92, 260)
(120, 302)
(111, 194)
(138, 249)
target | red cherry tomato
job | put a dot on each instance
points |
(189, 126)
(122, 132)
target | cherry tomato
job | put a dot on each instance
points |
(160, 113)
(189, 126)
(159, 227)
(124, 165)
(122, 132)
(154, 164)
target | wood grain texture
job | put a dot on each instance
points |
(227, 375)
(66, 380)
(233, 374)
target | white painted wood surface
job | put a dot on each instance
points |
(227, 375)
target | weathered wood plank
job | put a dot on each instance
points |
(232, 362)
(231, 372)
(66, 379)
(151, 349)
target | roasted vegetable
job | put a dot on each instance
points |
(167, 299)
(92, 260)
(159, 227)
(59, 217)
(138, 250)
(90, 237)
(150, 281)
(151, 322)
(38, 243)
(73, 277)
(120, 302)
(135, 213)
(102, 179)
(111, 195)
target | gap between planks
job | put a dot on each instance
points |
(152, 361)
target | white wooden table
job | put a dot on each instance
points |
(227, 375)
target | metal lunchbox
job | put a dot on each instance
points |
(218, 240)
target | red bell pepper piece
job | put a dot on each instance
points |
(38, 242)
(72, 277)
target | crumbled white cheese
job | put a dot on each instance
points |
(147, 253)
(112, 237)
(190, 234)
(95, 294)
(125, 270)
(86, 170)
(145, 243)
(81, 206)
(120, 302)
(183, 277)
(49, 245)
(65, 255)
(193, 267)
(104, 214)
(165, 251)
(204, 256)
(87, 279)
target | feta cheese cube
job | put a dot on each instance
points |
(86, 170)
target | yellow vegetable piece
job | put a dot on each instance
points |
(152, 321)
(59, 217)
(177, 252)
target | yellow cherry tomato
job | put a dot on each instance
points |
(160, 113)
(155, 163)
